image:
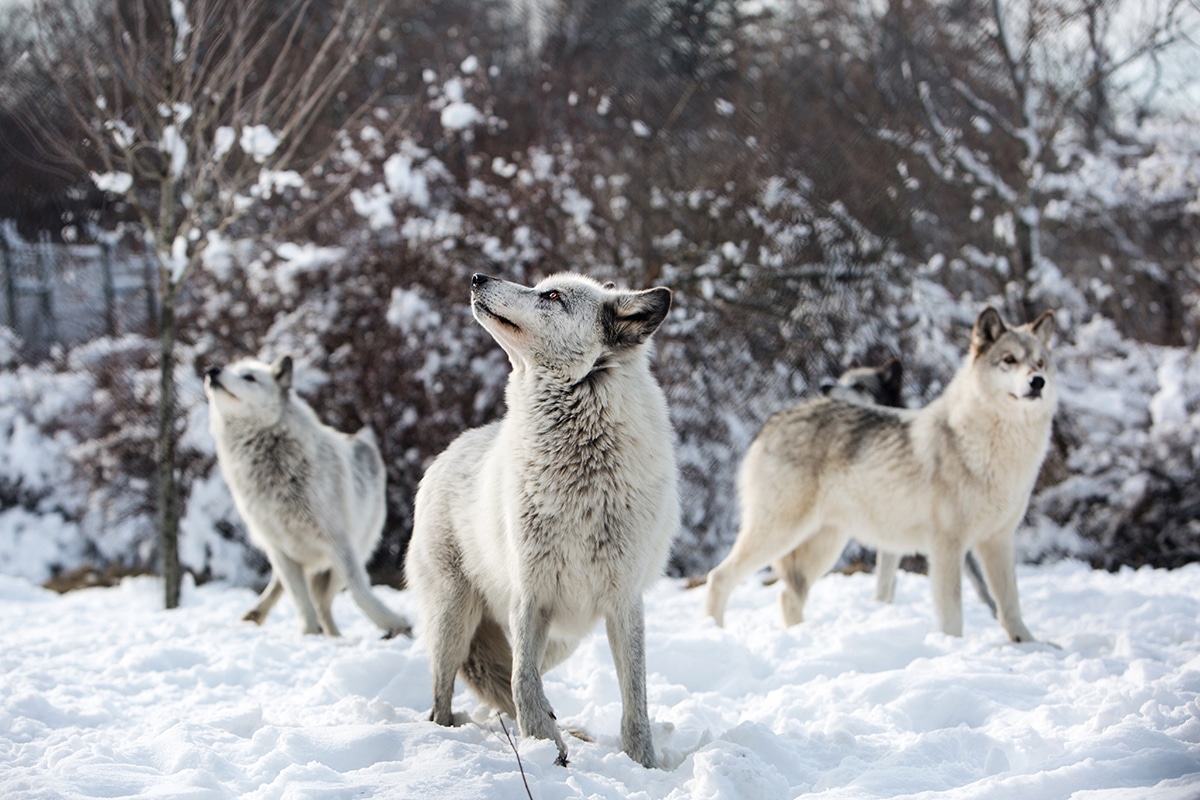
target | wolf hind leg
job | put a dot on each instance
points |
(975, 573)
(887, 564)
(266, 601)
(803, 567)
(323, 585)
(754, 548)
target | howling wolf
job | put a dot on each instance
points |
(311, 497)
(530, 529)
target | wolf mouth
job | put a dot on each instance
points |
(479, 304)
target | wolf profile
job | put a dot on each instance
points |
(312, 498)
(952, 477)
(528, 530)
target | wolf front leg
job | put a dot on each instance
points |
(292, 576)
(531, 629)
(627, 639)
(999, 570)
(945, 579)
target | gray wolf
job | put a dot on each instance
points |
(528, 530)
(953, 476)
(312, 497)
(882, 385)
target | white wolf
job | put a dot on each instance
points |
(882, 386)
(528, 530)
(312, 498)
(948, 478)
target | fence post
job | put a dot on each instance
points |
(107, 254)
(46, 281)
(10, 280)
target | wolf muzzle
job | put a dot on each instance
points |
(1036, 384)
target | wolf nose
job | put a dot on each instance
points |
(212, 372)
(479, 279)
(1037, 383)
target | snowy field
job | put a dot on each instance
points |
(103, 694)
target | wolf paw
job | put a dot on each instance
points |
(253, 615)
(403, 630)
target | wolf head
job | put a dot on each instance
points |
(567, 326)
(872, 385)
(1014, 362)
(249, 390)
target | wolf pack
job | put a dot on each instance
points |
(531, 529)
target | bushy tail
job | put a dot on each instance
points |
(488, 668)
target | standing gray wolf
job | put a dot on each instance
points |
(882, 386)
(528, 530)
(948, 478)
(312, 498)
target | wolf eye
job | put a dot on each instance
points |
(552, 295)
(1041, 363)
(249, 378)
(1010, 359)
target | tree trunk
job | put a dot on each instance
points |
(168, 483)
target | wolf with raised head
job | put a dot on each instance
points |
(952, 477)
(527, 531)
(312, 497)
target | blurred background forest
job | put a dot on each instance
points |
(821, 184)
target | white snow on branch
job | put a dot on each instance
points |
(460, 115)
(223, 141)
(405, 182)
(115, 182)
(175, 148)
(259, 142)
(182, 27)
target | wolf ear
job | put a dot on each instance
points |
(988, 328)
(1043, 327)
(281, 370)
(633, 316)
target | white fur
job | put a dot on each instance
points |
(312, 498)
(529, 530)
(948, 478)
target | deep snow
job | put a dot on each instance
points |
(106, 695)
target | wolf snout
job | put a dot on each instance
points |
(479, 279)
(1036, 385)
(212, 373)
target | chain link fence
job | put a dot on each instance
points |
(65, 294)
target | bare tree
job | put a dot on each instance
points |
(996, 83)
(196, 114)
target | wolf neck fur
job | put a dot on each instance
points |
(983, 432)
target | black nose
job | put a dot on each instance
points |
(1037, 383)
(212, 372)
(479, 279)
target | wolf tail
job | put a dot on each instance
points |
(488, 668)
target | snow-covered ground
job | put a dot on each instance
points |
(103, 694)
